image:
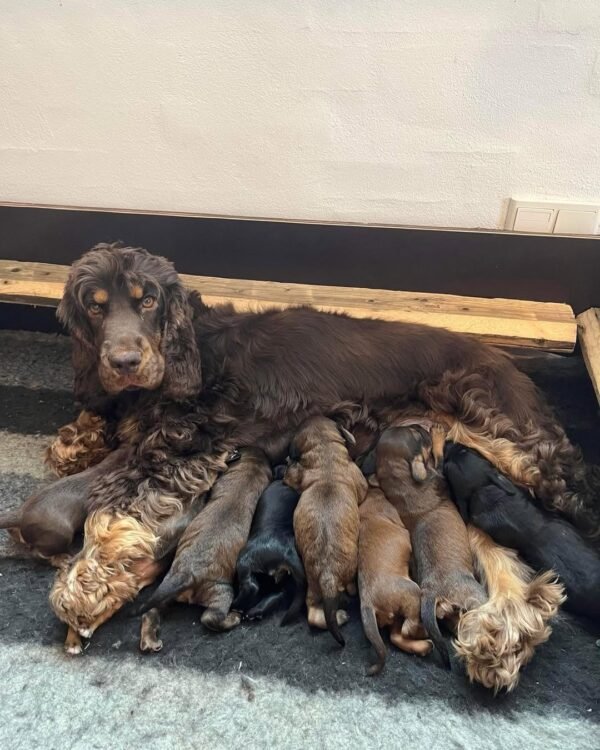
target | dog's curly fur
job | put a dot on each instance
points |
(79, 445)
(234, 379)
(116, 562)
(499, 637)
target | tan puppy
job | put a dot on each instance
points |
(438, 535)
(326, 518)
(203, 570)
(388, 596)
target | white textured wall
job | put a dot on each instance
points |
(398, 111)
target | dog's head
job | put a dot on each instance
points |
(311, 443)
(131, 323)
(409, 447)
(468, 471)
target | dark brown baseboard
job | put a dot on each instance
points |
(484, 264)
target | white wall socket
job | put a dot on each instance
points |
(550, 217)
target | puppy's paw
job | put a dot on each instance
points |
(214, 619)
(150, 645)
(74, 650)
(73, 645)
(342, 617)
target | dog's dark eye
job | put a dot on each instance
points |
(94, 308)
(149, 301)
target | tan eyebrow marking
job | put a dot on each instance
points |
(100, 296)
(136, 291)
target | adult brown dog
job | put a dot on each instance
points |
(444, 563)
(203, 570)
(326, 518)
(388, 595)
(184, 384)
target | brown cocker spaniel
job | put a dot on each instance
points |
(183, 384)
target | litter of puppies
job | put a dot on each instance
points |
(408, 498)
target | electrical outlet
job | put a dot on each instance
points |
(550, 217)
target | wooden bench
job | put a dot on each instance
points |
(588, 324)
(547, 326)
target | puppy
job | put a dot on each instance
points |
(388, 596)
(203, 570)
(49, 520)
(271, 554)
(513, 519)
(440, 543)
(326, 519)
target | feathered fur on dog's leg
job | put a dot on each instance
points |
(78, 446)
(496, 639)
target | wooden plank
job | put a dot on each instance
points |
(504, 322)
(588, 324)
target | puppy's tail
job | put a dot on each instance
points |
(297, 574)
(11, 519)
(429, 619)
(369, 621)
(168, 590)
(330, 595)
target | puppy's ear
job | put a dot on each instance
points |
(183, 377)
(418, 469)
(347, 435)
(87, 386)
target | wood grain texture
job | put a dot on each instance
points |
(542, 325)
(588, 324)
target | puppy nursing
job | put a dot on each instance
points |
(326, 520)
(443, 559)
(388, 596)
(203, 570)
(269, 567)
(509, 515)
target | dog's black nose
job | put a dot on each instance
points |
(126, 362)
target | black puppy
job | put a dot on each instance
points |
(512, 518)
(269, 568)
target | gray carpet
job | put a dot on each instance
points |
(260, 686)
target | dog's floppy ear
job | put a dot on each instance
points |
(182, 378)
(86, 385)
(418, 469)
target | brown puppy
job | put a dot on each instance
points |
(203, 570)
(444, 562)
(388, 596)
(326, 518)
(49, 520)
